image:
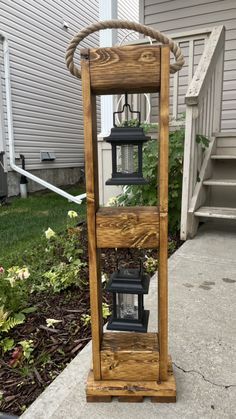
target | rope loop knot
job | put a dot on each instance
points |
(122, 24)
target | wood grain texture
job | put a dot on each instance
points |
(132, 355)
(163, 206)
(164, 399)
(127, 227)
(128, 69)
(123, 341)
(127, 365)
(90, 139)
(164, 130)
(163, 296)
(165, 390)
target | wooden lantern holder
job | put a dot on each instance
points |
(128, 365)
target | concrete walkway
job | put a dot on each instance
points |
(202, 335)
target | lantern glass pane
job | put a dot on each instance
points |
(127, 306)
(127, 158)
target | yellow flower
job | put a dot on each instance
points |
(12, 280)
(52, 322)
(72, 214)
(23, 273)
(112, 202)
(49, 233)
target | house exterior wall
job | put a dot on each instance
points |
(127, 10)
(179, 16)
(46, 98)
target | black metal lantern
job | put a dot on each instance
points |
(127, 149)
(128, 287)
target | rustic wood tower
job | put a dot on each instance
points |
(129, 365)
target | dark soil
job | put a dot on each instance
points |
(55, 347)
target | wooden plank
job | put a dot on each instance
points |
(175, 95)
(163, 204)
(127, 227)
(218, 91)
(224, 142)
(163, 297)
(226, 134)
(90, 138)
(131, 365)
(117, 388)
(226, 150)
(188, 175)
(220, 182)
(131, 355)
(223, 157)
(116, 70)
(164, 399)
(122, 341)
(216, 212)
(131, 399)
(164, 131)
(206, 65)
(199, 193)
(191, 60)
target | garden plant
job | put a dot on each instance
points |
(44, 292)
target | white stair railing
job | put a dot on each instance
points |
(203, 117)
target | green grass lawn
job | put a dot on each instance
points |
(23, 221)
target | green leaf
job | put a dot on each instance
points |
(20, 317)
(29, 310)
(7, 344)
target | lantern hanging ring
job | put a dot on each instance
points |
(148, 110)
(126, 106)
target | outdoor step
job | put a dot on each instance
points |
(225, 134)
(219, 182)
(223, 157)
(216, 212)
(226, 143)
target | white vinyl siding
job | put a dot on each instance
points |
(2, 108)
(127, 10)
(179, 16)
(183, 79)
(46, 98)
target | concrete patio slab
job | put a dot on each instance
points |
(202, 334)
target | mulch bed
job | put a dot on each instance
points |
(54, 347)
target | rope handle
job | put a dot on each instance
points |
(122, 24)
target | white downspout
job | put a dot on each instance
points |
(107, 38)
(76, 199)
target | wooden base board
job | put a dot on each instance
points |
(130, 391)
(130, 399)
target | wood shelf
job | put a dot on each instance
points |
(119, 227)
(132, 355)
(130, 366)
(113, 71)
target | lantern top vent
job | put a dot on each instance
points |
(127, 135)
(132, 281)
